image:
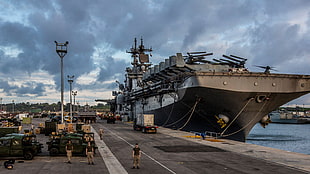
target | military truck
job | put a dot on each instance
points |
(19, 145)
(57, 143)
(8, 130)
(111, 119)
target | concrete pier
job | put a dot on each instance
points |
(168, 151)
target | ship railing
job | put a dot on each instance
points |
(213, 134)
(208, 134)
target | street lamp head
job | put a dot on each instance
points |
(61, 49)
(74, 93)
(70, 78)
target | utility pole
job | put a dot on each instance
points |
(61, 49)
(70, 80)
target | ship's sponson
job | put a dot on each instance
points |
(250, 82)
(177, 64)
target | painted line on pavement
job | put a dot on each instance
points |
(113, 165)
(165, 167)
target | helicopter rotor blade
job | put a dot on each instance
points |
(264, 67)
(267, 68)
(236, 60)
(196, 52)
(217, 60)
(231, 62)
(239, 57)
(201, 55)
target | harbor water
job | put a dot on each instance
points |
(289, 137)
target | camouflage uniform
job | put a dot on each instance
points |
(90, 154)
(69, 149)
(101, 133)
(136, 154)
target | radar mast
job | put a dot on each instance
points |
(140, 58)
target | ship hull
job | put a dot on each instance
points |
(199, 101)
(198, 108)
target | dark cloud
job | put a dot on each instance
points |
(281, 45)
(263, 31)
(29, 89)
(111, 70)
(7, 88)
(25, 90)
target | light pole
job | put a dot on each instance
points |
(74, 93)
(13, 106)
(61, 49)
(70, 80)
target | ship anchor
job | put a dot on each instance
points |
(222, 120)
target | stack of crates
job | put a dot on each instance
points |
(61, 127)
(50, 127)
(7, 124)
(70, 127)
(55, 135)
(86, 128)
(41, 127)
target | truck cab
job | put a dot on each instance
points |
(19, 145)
(57, 144)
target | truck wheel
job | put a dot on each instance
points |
(28, 155)
(35, 151)
(54, 151)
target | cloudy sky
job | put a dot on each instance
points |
(267, 32)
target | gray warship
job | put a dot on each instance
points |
(220, 97)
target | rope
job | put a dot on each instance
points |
(179, 119)
(183, 116)
(174, 97)
(237, 115)
(190, 115)
(246, 124)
